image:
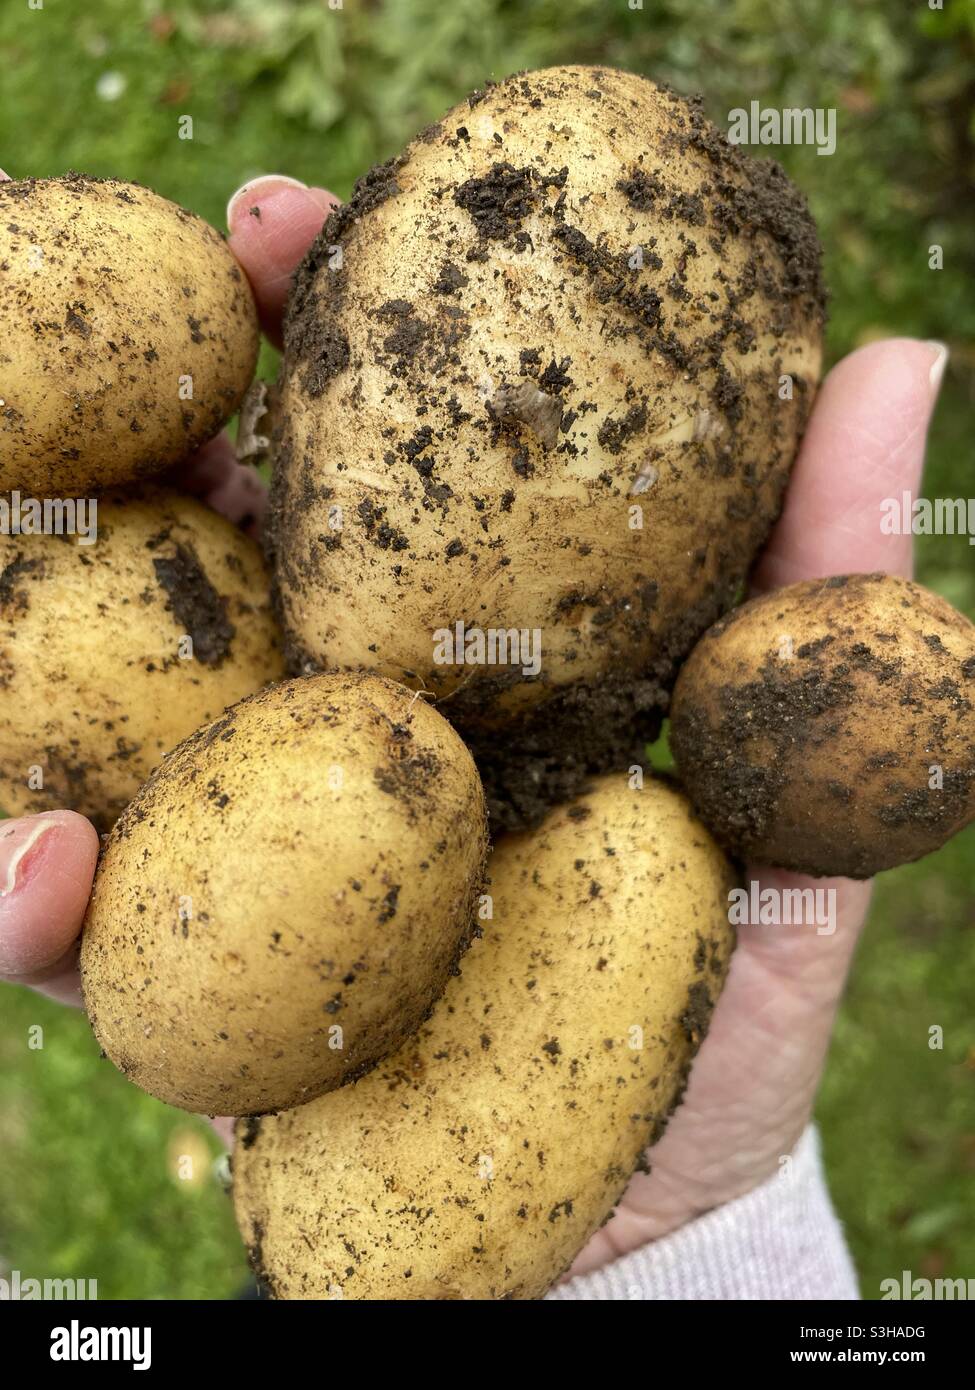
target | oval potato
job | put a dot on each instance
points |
(283, 901)
(111, 652)
(829, 727)
(545, 375)
(128, 334)
(479, 1159)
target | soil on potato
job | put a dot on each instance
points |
(195, 603)
(550, 755)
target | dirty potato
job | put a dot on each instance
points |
(283, 901)
(118, 641)
(830, 727)
(128, 334)
(545, 376)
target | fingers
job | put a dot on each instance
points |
(233, 489)
(47, 864)
(817, 922)
(865, 443)
(273, 220)
(224, 1125)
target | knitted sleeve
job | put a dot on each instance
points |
(782, 1240)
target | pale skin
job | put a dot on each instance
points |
(753, 1084)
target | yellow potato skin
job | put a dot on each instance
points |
(478, 1160)
(807, 724)
(402, 505)
(328, 836)
(113, 298)
(97, 679)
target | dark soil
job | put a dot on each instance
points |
(551, 755)
(196, 604)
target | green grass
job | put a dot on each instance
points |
(87, 1185)
(898, 1115)
(94, 1182)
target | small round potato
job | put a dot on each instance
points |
(479, 1159)
(128, 334)
(545, 376)
(283, 902)
(829, 727)
(112, 651)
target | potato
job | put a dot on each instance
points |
(479, 1159)
(829, 727)
(283, 901)
(128, 334)
(545, 375)
(112, 652)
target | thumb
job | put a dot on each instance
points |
(814, 942)
(864, 443)
(47, 864)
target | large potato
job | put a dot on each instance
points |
(283, 901)
(830, 727)
(128, 334)
(112, 652)
(478, 1160)
(545, 373)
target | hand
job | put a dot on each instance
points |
(47, 862)
(753, 1084)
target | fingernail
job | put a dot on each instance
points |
(940, 361)
(252, 192)
(17, 839)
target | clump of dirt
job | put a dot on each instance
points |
(550, 755)
(195, 604)
(12, 592)
(499, 202)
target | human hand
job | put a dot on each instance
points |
(47, 861)
(753, 1084)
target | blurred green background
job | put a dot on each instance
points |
(90, 1169)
